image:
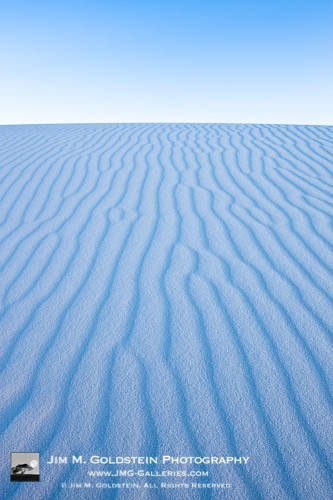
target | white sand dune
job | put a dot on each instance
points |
(166, 289)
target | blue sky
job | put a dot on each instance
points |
(143, 60)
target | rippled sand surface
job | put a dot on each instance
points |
(166, 289)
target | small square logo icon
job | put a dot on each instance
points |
(24, 466)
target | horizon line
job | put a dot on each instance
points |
(322, 124)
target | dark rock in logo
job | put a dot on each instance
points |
(21, 469)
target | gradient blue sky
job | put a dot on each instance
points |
(144, 60)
